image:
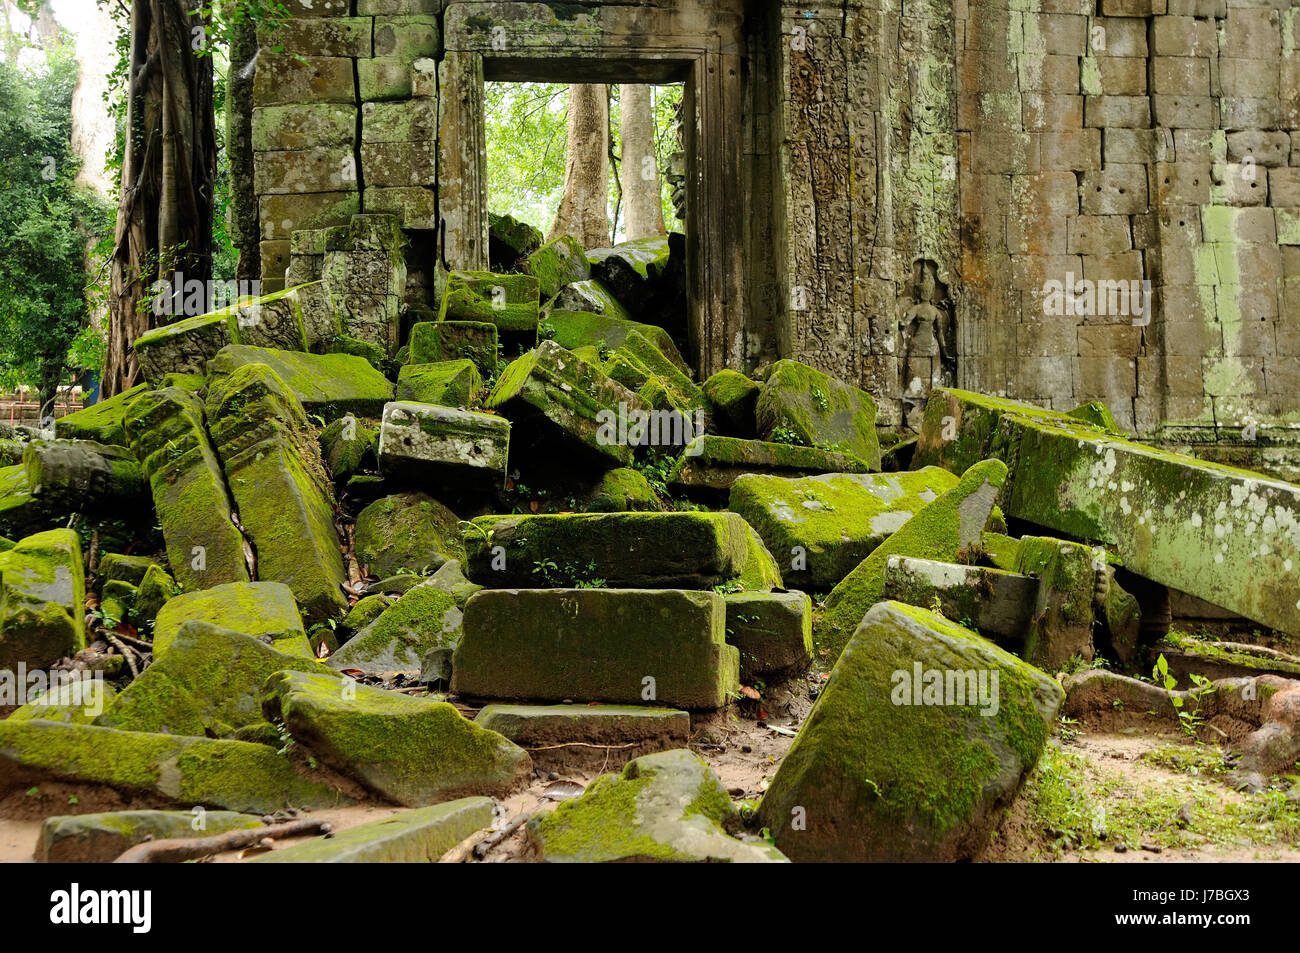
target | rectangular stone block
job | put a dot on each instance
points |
(1239, 185)
(772, 631)
(1181, 75)
(1077, 150)
(1220, 224)
(1246, 111)
(416, 207)
(422, 442)
(634, 550)
(1183, 36)
(303, 126)
(328, 385)
(322, 169)
(1051, 111)
(1108, 341)
(1109, 378)
(1137, 146)
(623, 646)
(997, 603)
(1181, 183)
(332, 36)
(399, 164)
(1176, 110)
(1124, 111)
(1267, 149)
(1252, 33)
(282, 78)
(412, 121)
(1120, 76)
(1122, 37)
(714, 463)
(282, 215)
(1099, 235)
(1116, 190)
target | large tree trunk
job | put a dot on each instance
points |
(584, 210)
(642, 193)
(239, 148)
(164, 219)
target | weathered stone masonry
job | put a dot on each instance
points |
(880, 190)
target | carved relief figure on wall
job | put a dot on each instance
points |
(929, 334)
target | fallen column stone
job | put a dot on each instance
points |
(234, 775)
(273, 467)
(922, 735)
(1228, 536)
(412, 837)
(427, 443)
(667, 807)
(823, 526)
(940, 530)
(42, 600)
(626, 550)
(167, 434)
(623, 646)
(411, 751)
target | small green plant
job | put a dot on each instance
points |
(1069, 728)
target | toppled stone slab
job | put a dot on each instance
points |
(511, 302)
(476, 341)
(42, 600)
(587, 296)
(409, 532)
(168, 436)
(997, 603)
(668, 807)
(427, 443)
(818, 410)
(760, 572)
(102, 838)
(424, 619)
(716, 463)
(285, 498)
(623, 646)
(772, 631)
(624, 490)
(572, 400)
(412, 751)
(1060, 628)
(264, 610)
(1169, 518)
(234, 775)
(630, 269)
(84, 474)
(412, 837)
(575, 329)
(533, 726)
(208, 683)
(631, 550)
(21, 512)
(823, 526)
(327, 385)
(922, 735)
(557, 263)
(102, 421)
(939, 530)
(450, 383)
(348, 446)
(509, 240)
(78, 701)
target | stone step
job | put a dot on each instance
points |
(623, 646)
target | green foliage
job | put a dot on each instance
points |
(46, 222)
(526, 136)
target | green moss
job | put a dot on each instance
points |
(101, 422)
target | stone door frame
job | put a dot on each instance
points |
(688, 41)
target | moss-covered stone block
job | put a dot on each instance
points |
(427, 442)
(1061, 626)
(42, 593)
(821, 527)
(78, 702)
(624, 490)
(349, 446)
(624, 646)
(83, 474)
(327, 385)
(632, 550)
(629, 269)
(102, 838)
(549, 393)
(712, 463)
(185, 346)
(559, 262)
(412, 837)
(590, 296)
(575, 329)
(409, 750)
(732, 398)
(208, 683)
(760, 571)
(407, 531)
(772, 631)
(168, 435)
(804, 405)
(264, 610)
(921, 737)
(427, 617)
(511, 302)
(995, 602)
(154, 590)
(450, 383)
(101, 421)
(21, 512)
(668, 808)
(939, 531)
(510, 240)
(432, 342)
(542, 725)
(234, 775)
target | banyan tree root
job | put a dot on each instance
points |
(1259, 717)
(178, 849)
